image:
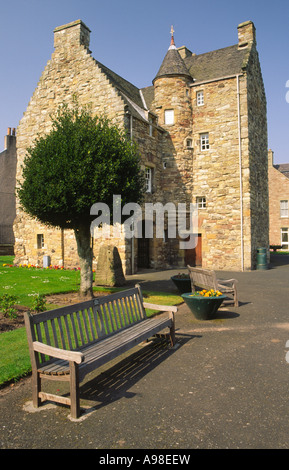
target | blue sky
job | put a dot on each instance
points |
(131, 37)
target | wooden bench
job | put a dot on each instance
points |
(67, 343)
(207, 279)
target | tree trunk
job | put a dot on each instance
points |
(83, 240)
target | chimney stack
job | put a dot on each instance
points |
(246, 34)
(72, 35)
(10, 138)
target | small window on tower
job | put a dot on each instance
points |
(169, 117)
(200, 98)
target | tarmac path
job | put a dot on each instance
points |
(225, 385)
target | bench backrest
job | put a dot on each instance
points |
(203, 278)
(78, 325)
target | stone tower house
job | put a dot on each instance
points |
(202, 133)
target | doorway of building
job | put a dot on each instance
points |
(143, 250)
(193, 256)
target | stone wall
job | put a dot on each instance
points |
(71, 71)
(217, 172)
(258, 191)
(278, 191)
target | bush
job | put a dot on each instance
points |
(7, 303)
(39, 303)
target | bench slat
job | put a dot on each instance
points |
(96, 315)
(55, 339)
(103, 352)
(74, 330)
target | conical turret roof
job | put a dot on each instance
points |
(172, 64)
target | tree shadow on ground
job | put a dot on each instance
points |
(278, 260)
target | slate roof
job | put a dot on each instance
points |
(216, 64)
(173, 65)
(209, 66)
(148, 94)
(125, 87)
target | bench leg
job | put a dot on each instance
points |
(36, 388)
(74, 391)
(172, 335)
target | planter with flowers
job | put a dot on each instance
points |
(182, 283)
(204, 304)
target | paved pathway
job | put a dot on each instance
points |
(225, 386)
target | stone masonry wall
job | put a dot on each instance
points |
(258, 159)
(71, 71)
(278, 191)
(216, 173)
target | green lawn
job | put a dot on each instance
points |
(24, 282)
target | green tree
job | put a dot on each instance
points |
(82, 161)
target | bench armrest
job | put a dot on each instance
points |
(227, 281)
(74, 356)
(161, 308)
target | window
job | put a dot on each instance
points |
(283, 208)
(201, 202)
(200, 98)
(285, 238)
(204, 139)
(148, 179)
(189, 143)
(169, 116)
(150, 127)
(40, 241)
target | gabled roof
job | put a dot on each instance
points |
(127, 88)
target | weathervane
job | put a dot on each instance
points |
(172, 39)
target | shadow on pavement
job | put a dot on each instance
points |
(115, 382)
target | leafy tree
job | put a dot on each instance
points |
(83, 160)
